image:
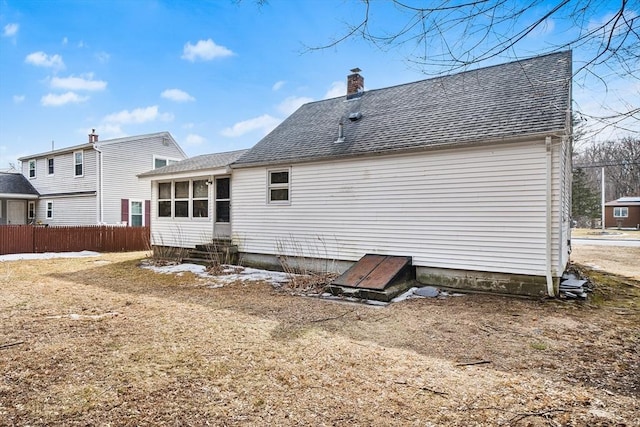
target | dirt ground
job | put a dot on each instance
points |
(100, 341)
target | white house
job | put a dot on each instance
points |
(468, 174)
(17, 198)
(96, 182)
(191, 200)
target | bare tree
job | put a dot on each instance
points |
(446, 36)
(621, 162)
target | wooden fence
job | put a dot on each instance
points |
(100, 238)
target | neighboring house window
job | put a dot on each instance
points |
(620, 212)
(136, 215)
(181, 199)
(223, 200)
(159, 162)
(200, 201)
(164, 199)
(50, 166)
(78, 162)
(278, 187)
(32, 210)
(49, 209)
(32, 168)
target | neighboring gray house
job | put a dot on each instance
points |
(191, 200)
(17, 199)
(96, 182)
(469, 174)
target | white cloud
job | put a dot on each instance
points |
(205, 50)
(65, 41)
(10, 30)
(193, 139)
(18, 99)
(58, 99)
(177, 95)
(278, 85)
(41, 59)
(188, 126)
(84, 82)
(292, 103)
(138, 115)
(264, 123)
(337, 89)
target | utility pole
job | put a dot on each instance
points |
(602, 197)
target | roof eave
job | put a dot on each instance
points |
(558, 133)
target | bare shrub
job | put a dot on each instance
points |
(306, 264)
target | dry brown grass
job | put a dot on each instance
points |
(151, 349)
(609, 234)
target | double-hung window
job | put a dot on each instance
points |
(78, 163)
(31, 214)
(50, 166)
(621, 212)
(49, 210)
(181, 199)
(278, 186)
(200, 199)
(159, 162)
(32, 168)
(136, 215)
(164, 199)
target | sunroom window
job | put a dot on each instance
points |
(200, 199)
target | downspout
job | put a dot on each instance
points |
(549, 223)
(100, 208)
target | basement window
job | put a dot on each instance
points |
(621, 212)
(278, 186)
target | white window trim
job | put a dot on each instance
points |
(192, 198)
(29, 210)
(54, 166)
(620, 210)
(49, 210)
(75, 164)
(170, 160)
(278, 186)
(188, 199)
(170, 199)
(35, 168)
(131, 202)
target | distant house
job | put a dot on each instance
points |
(623, 212)
(96, 182)
(17, 199)
(468, 174)
(191, 200)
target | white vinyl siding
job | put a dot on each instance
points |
(481, 208)
(186, 232)
(63, 180)
(123, 161)
(67, 210)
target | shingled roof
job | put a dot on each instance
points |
(16, 185)
(202, 162)
(527, 97)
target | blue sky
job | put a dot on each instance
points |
(217, 74)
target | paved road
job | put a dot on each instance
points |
(606, 242)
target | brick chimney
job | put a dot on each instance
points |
(93, 136)
(355, 84)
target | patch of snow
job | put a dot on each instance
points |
(243, 274)
(48, 255)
